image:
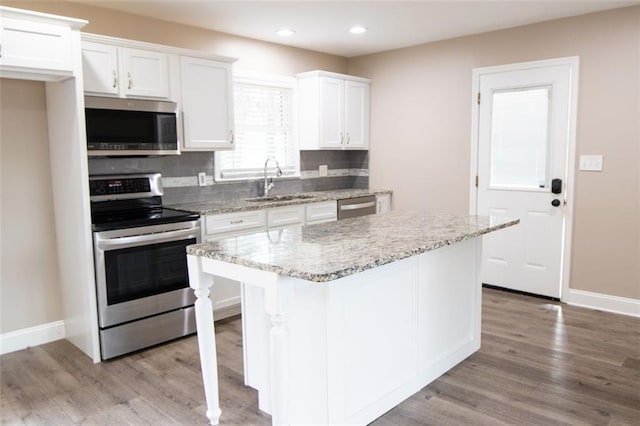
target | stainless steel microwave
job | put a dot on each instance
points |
(130, 127)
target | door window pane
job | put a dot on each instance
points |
(520, 138)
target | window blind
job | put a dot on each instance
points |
(263, 128)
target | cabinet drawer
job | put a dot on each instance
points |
(325, 211)
(235, 222)
(285, 216)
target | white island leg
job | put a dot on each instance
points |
(201, 283)
(277, 299)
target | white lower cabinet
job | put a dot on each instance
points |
(281, 217)
(325, 211)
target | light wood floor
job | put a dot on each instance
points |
(540, 363)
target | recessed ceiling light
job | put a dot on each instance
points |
(357, 30)
(285, 32)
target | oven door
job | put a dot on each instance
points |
(142, 271)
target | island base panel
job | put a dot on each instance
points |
(360, 345)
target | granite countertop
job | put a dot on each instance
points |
(230, 206)
(328, 251)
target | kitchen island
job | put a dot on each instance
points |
(342, 321)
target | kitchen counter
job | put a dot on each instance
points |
(329, 251)
(399, 305)
(230, 206)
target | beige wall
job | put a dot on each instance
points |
(29, 290)
(421, 125)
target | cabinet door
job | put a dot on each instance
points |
(100, 68)
(331, 112)
(356, 115)
(35, 46)
(207, 104)
(325, 211)
(145, 73)
(280, 217)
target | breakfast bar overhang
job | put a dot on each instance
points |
(342, 321)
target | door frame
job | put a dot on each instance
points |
(573, 62)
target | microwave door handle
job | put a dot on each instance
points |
(138, 240)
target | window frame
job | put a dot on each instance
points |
(245, 77)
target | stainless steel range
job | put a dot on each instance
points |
(142, 280)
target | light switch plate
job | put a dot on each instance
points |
(323, 170)
(591, 163)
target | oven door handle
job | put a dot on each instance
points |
(138, 240)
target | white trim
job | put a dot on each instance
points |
(32, 336)
(135, 44)
(569, 180)
(262, 79)
(603, 302)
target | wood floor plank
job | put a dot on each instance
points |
(541, 363)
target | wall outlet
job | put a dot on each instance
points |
(202, 179)
(323, 170)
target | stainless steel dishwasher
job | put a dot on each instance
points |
(358, 206)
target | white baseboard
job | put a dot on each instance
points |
(32, 336)
(604, 302)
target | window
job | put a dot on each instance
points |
(520, 138)
(264, 127)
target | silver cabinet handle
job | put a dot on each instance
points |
(232, 137)
(341, 138)
(115, 79)
(235, 222)
(358, 206)
(130, 80)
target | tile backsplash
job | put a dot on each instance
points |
(347, 169)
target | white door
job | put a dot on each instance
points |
(524, 125)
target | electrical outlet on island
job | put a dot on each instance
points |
(323, 170)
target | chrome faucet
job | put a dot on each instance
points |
(268, 183)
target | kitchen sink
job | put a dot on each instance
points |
(289, 197)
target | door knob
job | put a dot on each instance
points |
(555, 202)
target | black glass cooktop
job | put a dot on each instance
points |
(107, 221)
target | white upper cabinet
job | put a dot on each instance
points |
(356, 114)
(333, 111)
(100, 68)
(331, 117)
(206, 89)
(145, 73)
(36, 46)
(112, 70)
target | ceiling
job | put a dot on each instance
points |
(323, 25)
